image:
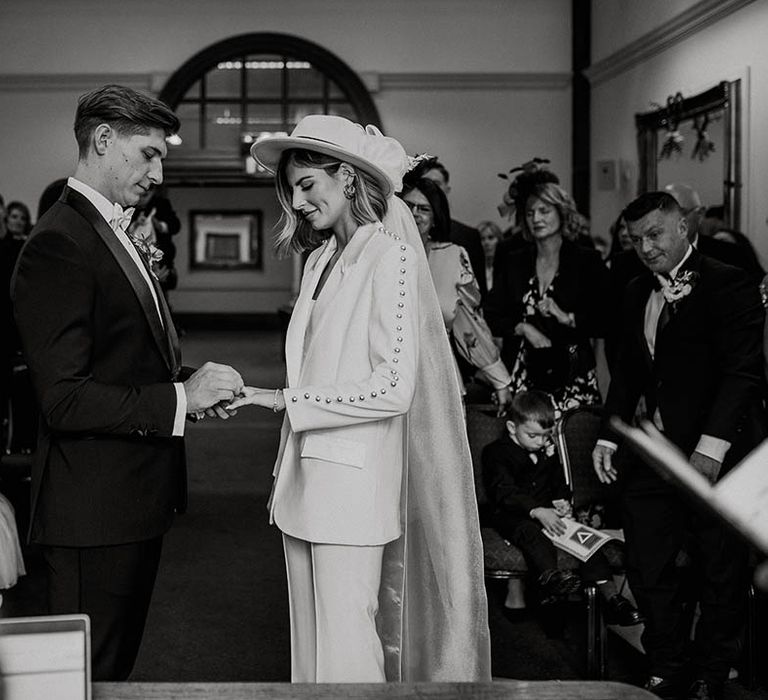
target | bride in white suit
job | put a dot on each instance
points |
(373, 486)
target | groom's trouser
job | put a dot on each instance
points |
(333, 593)
(113, 586)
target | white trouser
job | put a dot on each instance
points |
(333, 593)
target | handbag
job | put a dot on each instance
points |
(551, 369)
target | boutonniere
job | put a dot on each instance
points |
(680, 287)
(148, 250)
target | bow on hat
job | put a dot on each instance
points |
(387, 153)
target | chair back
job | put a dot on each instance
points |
(576, 434)
(483, 427)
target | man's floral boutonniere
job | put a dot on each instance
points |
(148, 250)
(679, 288)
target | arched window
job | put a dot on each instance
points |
(240, 88)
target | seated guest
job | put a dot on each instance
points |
(456, 287)
(490, 235)
(526, 487)
(548, 303)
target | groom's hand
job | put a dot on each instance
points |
(210, 385)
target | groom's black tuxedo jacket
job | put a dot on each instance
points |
(107, 470)
(705, 377)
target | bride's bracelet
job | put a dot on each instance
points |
(275, 409)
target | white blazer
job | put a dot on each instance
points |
(350, 381)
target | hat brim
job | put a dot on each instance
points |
(268, 151)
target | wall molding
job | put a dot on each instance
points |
(379, 82)
(375, 82)
(82, 82)
(693, 20)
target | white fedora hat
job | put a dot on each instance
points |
(337, 137)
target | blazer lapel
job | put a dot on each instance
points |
(81, 204)
(671, 313)
(349, 258)
(297, 328)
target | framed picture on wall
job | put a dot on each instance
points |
(225, 240)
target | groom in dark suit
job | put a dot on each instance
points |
(691, 348)
(109, 471)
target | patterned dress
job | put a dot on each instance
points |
(581, 388)
(459, 298)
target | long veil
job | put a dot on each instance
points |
(433, 617)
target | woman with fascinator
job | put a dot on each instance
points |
(373, 487)
(548, 299)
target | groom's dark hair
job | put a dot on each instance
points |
(126, 110)
(648, 202)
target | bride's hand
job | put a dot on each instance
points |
(256, 397)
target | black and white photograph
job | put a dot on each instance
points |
(383, 348)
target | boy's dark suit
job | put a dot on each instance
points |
(515, 485)
(107, 475)
(705, 379)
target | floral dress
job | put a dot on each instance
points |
(581, 387)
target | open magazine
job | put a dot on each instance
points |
(740, 497)
(582, 541)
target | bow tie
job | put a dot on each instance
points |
(121, 218)
(660, 281)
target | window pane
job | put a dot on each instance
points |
(223, 126)
(193, 92)
(304, 80)
(343, 109)
(334, 91)
(189, 131)
(267, 117)
(296, 112)
(224, 81)
(264, 76)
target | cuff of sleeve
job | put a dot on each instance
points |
(181, 410)
(713, 447)
(497, 374)
(608, 443)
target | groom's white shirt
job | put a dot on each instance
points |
(105, 208)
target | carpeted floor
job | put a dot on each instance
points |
(220, 613)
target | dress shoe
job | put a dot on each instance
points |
(617, 610)
(705, 690)
(664, 688)
(558, 583)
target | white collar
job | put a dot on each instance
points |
(102, 204)
(673, 272)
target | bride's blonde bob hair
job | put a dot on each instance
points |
(295, 234)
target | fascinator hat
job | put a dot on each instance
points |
(365, 148)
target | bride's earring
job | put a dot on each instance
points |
(349, 190)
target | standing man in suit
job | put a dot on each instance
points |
(109, 471)
(626, 265)
(691, 346)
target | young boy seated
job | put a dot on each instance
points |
(528, 493)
